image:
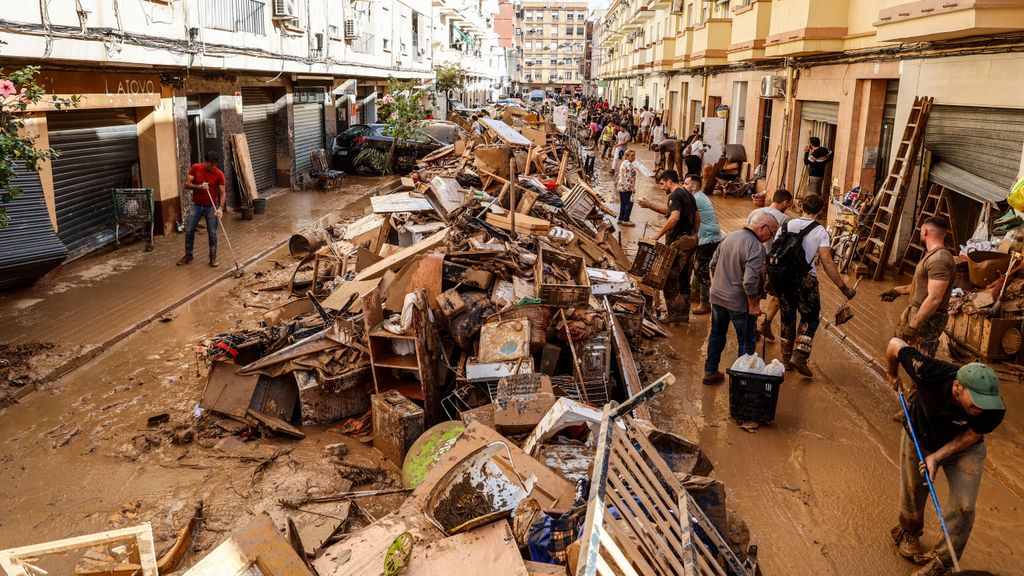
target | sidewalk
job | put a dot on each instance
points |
(97, 300)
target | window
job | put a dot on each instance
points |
(581, 16)
(568, 16)
(553, 46)
(529, 15)
(236, 16)
(580, 30)
(387, 44)
(578, 47)
(568, 30)
(554, 61)
(554, 17)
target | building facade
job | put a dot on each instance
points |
(466, 37)
(769, 74)
(553, 38)
(162, 83)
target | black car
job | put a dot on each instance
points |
(366, 146)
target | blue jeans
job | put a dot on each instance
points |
(625, 205)
(197, 212)
(746, 334)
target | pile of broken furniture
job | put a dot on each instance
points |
(484, 318)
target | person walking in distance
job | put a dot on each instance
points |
(206, 182)
(738, 266)
(816, 158)
(782, 199)
(794, 278)
(622, 139)
(924, 318)
(955, 407)
(680, 230)
(709, 236)
(646, 119)
(607, 139)
(625, 183)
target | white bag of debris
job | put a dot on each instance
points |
(750, 363)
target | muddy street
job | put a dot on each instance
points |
(817, 487)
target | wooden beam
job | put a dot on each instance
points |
(11, 560)
(398, 259)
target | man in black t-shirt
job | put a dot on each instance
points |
(955, 406)
(816, 158)
(680, 231)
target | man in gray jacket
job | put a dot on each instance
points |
(737, 270)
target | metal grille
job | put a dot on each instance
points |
(364, 44)
(31, 248)
(827, 112)
(236, 15)
(986, 142)
(259, 118)
(97, 151)
(309, 134)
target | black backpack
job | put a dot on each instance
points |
(787, 261)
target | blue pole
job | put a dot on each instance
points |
(931, 487)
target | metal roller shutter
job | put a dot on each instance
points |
(827, 112)
(986, 142)
(97, 151)
(258, 118)
(309, 134)
(29, 248)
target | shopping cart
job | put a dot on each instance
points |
(133, 207)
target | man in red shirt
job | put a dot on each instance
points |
(206, 182)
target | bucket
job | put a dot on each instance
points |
(259, 206)
(983, 267)
(246, 212)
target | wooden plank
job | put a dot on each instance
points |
(561, 168)
(640, 525)
(627, 364)
(400, 202)
(398, 259)
(618, 531)
(526, 202)
(524, 224)
(590, 544)
(655, 501)
(11, 560)
(621, 562)
(505, 132)
(243, 167)
(687, 550)
(276, 424)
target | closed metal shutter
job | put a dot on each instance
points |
(827, 112)
(97, 151)
(986, 142)
(30, 246)
(309, 134)
(258, 118)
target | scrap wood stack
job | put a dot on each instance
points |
(487, 313)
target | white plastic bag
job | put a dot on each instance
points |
(775, 368)
(750, 363)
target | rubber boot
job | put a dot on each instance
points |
(786, 346)
(801, 354)
(677, 308)
(705, 301)
(186, 259)
(213, 259)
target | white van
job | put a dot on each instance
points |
(537, 96)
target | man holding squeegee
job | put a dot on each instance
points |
(206, 182)
(955, 406)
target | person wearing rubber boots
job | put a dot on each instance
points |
(953, 410)
(206, 182)
(798, 293)
(709, 236)
(680, 230)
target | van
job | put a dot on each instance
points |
(536, 96)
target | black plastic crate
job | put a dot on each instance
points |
(753, 397)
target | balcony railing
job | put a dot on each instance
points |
(364, 44)
(236, 15)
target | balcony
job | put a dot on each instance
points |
(927, 20)
(801, 27)
(684, 46)
(750, 25)
(664, 54)
(711, 43)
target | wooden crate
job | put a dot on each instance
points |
(397, 423)
(653, 263)
(991, 339)
(562, 295)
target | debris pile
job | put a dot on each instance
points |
(480, 327)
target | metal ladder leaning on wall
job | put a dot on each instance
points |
(878, 244)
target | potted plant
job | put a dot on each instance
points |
(722, 111)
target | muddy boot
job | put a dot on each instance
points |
(705, 301)
(786, 347)
(213, 259)
(932, 568)
(801, 355)
(713, 378)
(684, 310)
(764, 328)
(908, 543)
(186, 259)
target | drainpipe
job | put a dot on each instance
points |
(787, 122)
(704, 99)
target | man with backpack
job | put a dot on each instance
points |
(794, 278)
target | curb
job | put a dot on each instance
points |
(78, 361)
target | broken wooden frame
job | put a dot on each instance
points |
(653, 534)
(18, 561)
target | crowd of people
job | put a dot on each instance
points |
(776, 258)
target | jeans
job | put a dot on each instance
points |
(625, 205)
(963, 475)
(746, 334)
(197, 212)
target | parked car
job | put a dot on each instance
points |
(365, 146)
(454, 104)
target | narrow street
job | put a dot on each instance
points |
(817, 487)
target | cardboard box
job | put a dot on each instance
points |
(450, 302)
(521, 402)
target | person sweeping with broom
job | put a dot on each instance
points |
(955, 406)
(204, 180)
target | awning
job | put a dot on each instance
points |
(465, 36)
(966, 183)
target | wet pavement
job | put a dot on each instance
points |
(817, 487)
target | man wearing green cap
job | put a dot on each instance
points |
(955, 406)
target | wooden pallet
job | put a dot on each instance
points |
(936, 203)
(890, 199)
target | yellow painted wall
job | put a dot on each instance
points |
(35, 127)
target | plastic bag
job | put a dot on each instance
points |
(775, 368)
(750, 363)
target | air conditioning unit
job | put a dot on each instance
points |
(286, 9)
(773, 87)
(353, 29)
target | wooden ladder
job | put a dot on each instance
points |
(878, 244)
(935, 204)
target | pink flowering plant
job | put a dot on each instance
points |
(400, 109)
(18, 91)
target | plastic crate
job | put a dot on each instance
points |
(652, 263)
(753, 397)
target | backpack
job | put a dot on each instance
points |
(787, 261)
